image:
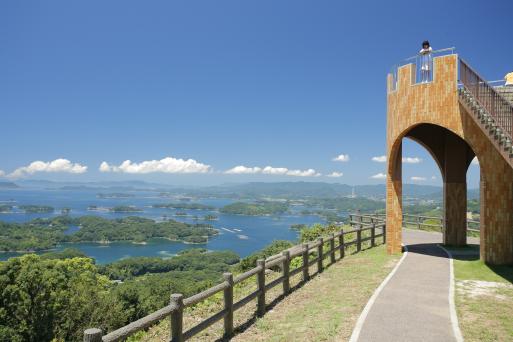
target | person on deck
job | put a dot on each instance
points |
(426, 62)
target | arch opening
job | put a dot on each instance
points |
(453, 156)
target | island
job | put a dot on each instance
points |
(210, 218)
(47, 233)
(125, 209)
(5, 208)
(184, 206)
(32, 209)
(114, 195)
(255, 209)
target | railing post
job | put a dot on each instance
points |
(306, 274)
(261, 287)
(228, 304)
(373, 235)
(177, 318)
(93, 335)
(341, 244)
(286, 275)
(418, 222)
(384, 233)
(332, 248)
(359, 239)
(320, 252)
(359, 218)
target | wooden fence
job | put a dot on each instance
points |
(332, 247)
(417, 221)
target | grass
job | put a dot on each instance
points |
(323, 309)
(484, 297)
(327, 307)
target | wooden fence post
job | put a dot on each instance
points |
(384, 233)
(418, 222)
(373, 235)
(286, 269)
(341, 244)
(332, 248)
(306, 274)
(228, 304)
(320, 252)
(359, 218)
(261, 287)
(359, 239)
(93, 335)
(177, 318)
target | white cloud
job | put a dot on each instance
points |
(269, 170)
(166, 165)
(418, 179)
(341, 158)
(303, 173)
(241, 169)
(411, 160)
(433, 177)
(379, 176)
(380, 159)
(475, 161)
(105, 167)
(57, 165)
(335, 174)
(2, 173)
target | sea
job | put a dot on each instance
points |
(239, 233)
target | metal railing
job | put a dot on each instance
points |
(336, 243)
(419, 60)
(416, 221)
(487, 97)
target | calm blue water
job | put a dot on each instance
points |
(241, 234)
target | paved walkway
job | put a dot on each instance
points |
(414, 304)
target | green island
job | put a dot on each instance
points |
(5, 208)
(183, 206)
(125, 209)
(255, 209)
(43, 234)
(210, 218)
(36, 208)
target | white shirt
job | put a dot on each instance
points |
(425, 58)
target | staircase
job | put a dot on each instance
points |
(490, 107)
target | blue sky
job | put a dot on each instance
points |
(285, 84)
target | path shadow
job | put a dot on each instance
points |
(467, 253)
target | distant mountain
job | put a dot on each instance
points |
(291, 190)
(315, 190)
(130, 185)
(8, 185)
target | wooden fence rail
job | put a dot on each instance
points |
(365, 220)
(175, 309)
